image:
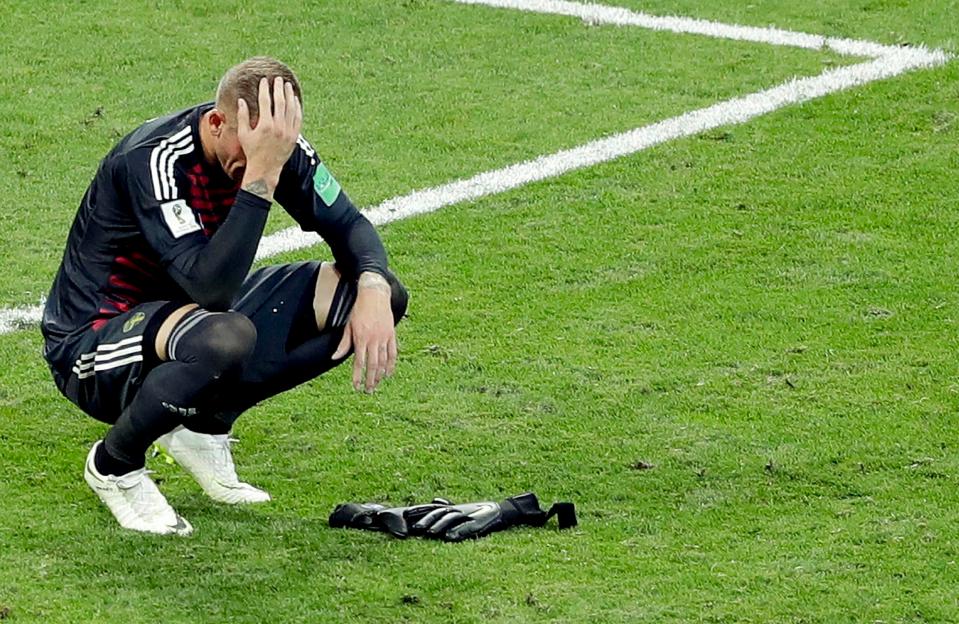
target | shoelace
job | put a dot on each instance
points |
(135, 483)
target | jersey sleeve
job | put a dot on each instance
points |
(165, 219)
(209, 270)
(312, 196)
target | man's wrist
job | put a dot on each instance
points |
(374, 281)
(260, 184)
(246, 198)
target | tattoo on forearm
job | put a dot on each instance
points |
(258, 187)
(374, 281)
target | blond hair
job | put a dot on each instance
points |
(243, 81)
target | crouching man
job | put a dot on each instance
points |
(155, 324)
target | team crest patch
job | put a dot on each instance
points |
(179, 218)
(326, 185)
(133, 321)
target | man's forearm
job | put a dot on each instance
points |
(212, 274)
(353, 240)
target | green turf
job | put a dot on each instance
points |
(765, 315)
(398, 97)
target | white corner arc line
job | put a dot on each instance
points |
(592, 13)
(886, 62)
(729, 112)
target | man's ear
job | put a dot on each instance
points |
(217, 121)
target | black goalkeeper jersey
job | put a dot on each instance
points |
(155, 200)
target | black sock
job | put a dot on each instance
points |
(213, 424)
(106, 464)
(208, 352)
(162, 403)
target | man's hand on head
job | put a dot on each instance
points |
(370, 331)
(268, 145)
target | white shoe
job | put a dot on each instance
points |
(134, 500)
(208, 459)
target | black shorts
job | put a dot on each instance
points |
(101, 371)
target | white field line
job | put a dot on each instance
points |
(15, 318)
(618, 16)
(886, 62)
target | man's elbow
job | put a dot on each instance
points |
(213, 303)
(214, 295)
(212, 290)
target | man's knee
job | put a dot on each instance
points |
(223, 340)
(399, 297)
(232, 337)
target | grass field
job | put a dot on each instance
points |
(735, 352)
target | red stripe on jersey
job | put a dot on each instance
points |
(112, 307)
(134, 278)
(134, 267)
(119, 283)
(211, 202)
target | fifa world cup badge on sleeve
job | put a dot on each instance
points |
(179, 218)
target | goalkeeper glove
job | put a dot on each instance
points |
(453, 523)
